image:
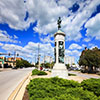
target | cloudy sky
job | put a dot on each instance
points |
(26, 23)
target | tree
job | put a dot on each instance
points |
(47, 65)
(19, 64)
(22, 63)
(90, 58)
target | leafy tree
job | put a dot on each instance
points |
(47, 65)
(22, 63)
(19, 64)
(52, 64)
(90, 58)
(73, 63)
(26, 63)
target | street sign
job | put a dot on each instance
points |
(2, 61)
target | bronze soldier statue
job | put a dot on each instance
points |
(59, 23)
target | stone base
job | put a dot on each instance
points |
(60, 71)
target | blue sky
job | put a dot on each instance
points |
(26, 23)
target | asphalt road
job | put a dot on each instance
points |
(9, 80)
(84, 74)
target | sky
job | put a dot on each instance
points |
(25, 24)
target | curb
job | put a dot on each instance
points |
(18, 93)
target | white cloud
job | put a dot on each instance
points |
(15, 37)
(91, 46)
(93, 27)
(72, 25)
(5, 37)
(74, 53)
(83, 45)
(1, 44)
(75, 46)
(87, 39)
(74, 50)
(13, 13)
(46, 39)
(46, 13)
(30, 50)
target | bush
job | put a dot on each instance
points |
(37, 72)
(81, 94)
(42, 73)
(92, 85)
(57, 89)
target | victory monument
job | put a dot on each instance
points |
(59, 68)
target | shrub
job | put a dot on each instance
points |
(81, 94)
(92, 85)
(42, 73)
(37, 72)
(64, 82)
(57, 89)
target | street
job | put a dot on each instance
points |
(9, 80)
(85, 75)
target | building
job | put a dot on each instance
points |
(69, 60)
(14, 59)
(48, 59)
(18, 58)
(9, 62)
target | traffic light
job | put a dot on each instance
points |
(9, 54)
(17, 54)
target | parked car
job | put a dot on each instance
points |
(45, 69)
(14, 68)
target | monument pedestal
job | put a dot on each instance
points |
(60, 71)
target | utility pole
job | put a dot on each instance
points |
(50, 62)
(38, 57)
(44, 60)
(15, 54)
(35, 59)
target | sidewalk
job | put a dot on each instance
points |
(75, 78)
(85, 75)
